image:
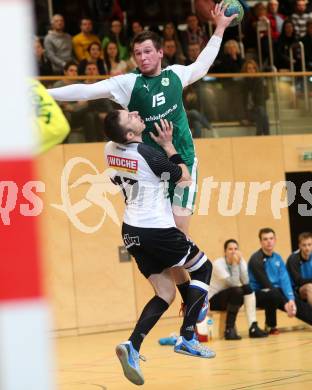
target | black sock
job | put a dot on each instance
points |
(183, 290)
(194, 303)
(151, 313)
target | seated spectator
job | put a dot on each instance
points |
(270, 280)
(94, 51)
(171, 55)
(229, 289)
(82, 41)
(284, 42)
(299, 265)
(117, 36)
(77, 113)
(307, 42)
(255, 94)
(194, 33)
(136, 28)
(193, 51)
(44, 66)
(275, 18)
(58, 45)
(114, 66)
(257, 14)
(300, 18)
(231, 61)
(170, 32)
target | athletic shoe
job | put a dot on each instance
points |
(231, 334)
(203, 311)
(193, 348)
(272, 330)
(129, 359)
(255, 332)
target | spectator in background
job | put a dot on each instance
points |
(44, 66)
(58, 45)
(284, 42)
(193, 51)
(194, 33)
(136, 28)
(170, 32)
(299, 265)
(94, 53)
(77, 113)
(171, 55)
(270, 280)
(257, 14)
(82, 41)
(117, 36)
(231, 61)
(255, 94)
(307, 42)
(229, 290)
(300, 18)
(114, 66)
(276, 19)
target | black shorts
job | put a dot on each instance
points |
(156, 249)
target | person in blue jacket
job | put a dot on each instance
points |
(270, 280)
(299, 265)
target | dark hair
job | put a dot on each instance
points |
(69, 64)
(112, 128)
(92, 44)
(265, 231)
(304, 236)
(144, 36)
(106, 57)
(228, 242)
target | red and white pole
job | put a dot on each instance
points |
(25, 346)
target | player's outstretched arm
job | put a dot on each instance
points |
(200, 67)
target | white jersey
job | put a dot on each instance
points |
(225, 276)
(143, 173)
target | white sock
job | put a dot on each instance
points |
(250, 308)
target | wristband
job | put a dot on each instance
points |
(176, 159)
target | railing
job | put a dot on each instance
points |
(264, 26)
(223, 109)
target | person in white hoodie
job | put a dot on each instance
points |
(229, 290)
(58, 45)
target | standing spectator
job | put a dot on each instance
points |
(307, 42)
(299, 265)
(300, 18)
(194, 33)
(58, 45)
(270, 280)
(285, 41)
(275, 18)
(255, 94)
(44, 66)
(117, 36)
(171, 55)
(77, 113)
(229, 290)
(114, 66)
(94, 51)
(257, 14)
(82, 41)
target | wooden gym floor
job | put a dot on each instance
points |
(283, 362)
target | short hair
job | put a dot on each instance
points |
(69, 64)
(265, 231)
(228, 242)
(144, 36)
(231, 42)
(113, 129)
(304, 236)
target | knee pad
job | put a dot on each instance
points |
(200, 273)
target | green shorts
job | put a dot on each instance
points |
(185, 197)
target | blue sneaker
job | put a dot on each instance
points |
(129, 359)
(193, 348)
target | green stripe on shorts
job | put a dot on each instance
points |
(185, 197)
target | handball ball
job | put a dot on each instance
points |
(234, 7)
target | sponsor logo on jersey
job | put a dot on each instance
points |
(121, 163)
(165, 81)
